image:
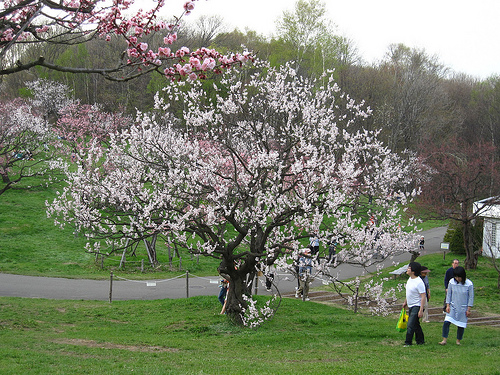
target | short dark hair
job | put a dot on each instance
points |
(460, 272)
(416, 268)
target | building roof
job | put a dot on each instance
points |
(489, 207)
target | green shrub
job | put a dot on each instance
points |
(455, 237)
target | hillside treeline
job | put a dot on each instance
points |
(414, 98)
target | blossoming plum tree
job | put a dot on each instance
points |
(29, 146)
(80, 124)
(23, 135)
(243, 176)
(30, 22)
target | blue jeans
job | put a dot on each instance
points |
(222, 295)
(414, 327)
(446, 330)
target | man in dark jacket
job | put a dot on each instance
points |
(447, 277)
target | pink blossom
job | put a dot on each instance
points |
(208, 64)
(42, 29)
(195, 63)
(182, 52)
(188, 6)
(132, 52)
(108, 19)
(170, 39)
(164, 51)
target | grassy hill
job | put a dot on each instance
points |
(31, 244)
(190, 337)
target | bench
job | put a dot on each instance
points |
(399, 271)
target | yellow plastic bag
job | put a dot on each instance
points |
(402, 321)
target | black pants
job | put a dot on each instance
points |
(413, 327)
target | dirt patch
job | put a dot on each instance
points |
(108, 345)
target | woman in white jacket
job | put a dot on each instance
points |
(459, 301)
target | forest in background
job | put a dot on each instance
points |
(415, 99)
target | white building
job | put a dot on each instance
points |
(491, 231)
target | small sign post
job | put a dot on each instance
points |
(445, 246)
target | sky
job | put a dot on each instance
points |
(463, 34)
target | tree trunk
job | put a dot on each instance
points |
(235, 302)
(151, 250)
(5, 178)
(238, 287)
(471, 257)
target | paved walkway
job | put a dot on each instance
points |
(179, 287)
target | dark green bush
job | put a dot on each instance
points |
(455, 237)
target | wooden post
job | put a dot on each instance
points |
(122, 260)
(149, 251)
(356, 300)
(187, 284)
(142, 265)
(111, 287)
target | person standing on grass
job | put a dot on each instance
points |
(423, 275)
(447, 277)
(305, 271)
(415, 300)
(224, 285)
(223, 294)
(459, 301)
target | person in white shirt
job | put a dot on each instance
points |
(314, 244)
(415, 301)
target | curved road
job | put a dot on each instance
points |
(180, 287)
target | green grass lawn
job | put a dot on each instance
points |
(30, 244)
(190, 337)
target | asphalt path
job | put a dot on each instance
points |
(179, 287)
